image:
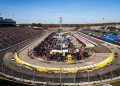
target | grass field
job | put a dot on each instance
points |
(97, 33)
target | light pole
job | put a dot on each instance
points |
(61, 47)
(88, 76)
(13, 16)
(3, 66)
(60, 78)
(75, 79)
(20, 67)
(60, 74)
(34, 74)
(100, 74)
(60, 28)
(60, 21)
(111, 72)
(12, 67)
(3, 69)
(0, 14)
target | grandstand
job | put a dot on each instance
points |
(13, 35)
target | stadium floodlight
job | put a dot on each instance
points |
(60, 21)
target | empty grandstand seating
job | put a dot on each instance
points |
(12, 35)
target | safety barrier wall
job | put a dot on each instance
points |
(64, 70)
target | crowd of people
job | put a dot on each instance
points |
(13, 35)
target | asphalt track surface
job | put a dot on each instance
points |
(98, 57)
(99, 74)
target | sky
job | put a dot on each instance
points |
(72, 11)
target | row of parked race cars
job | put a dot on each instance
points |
(109, 37)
